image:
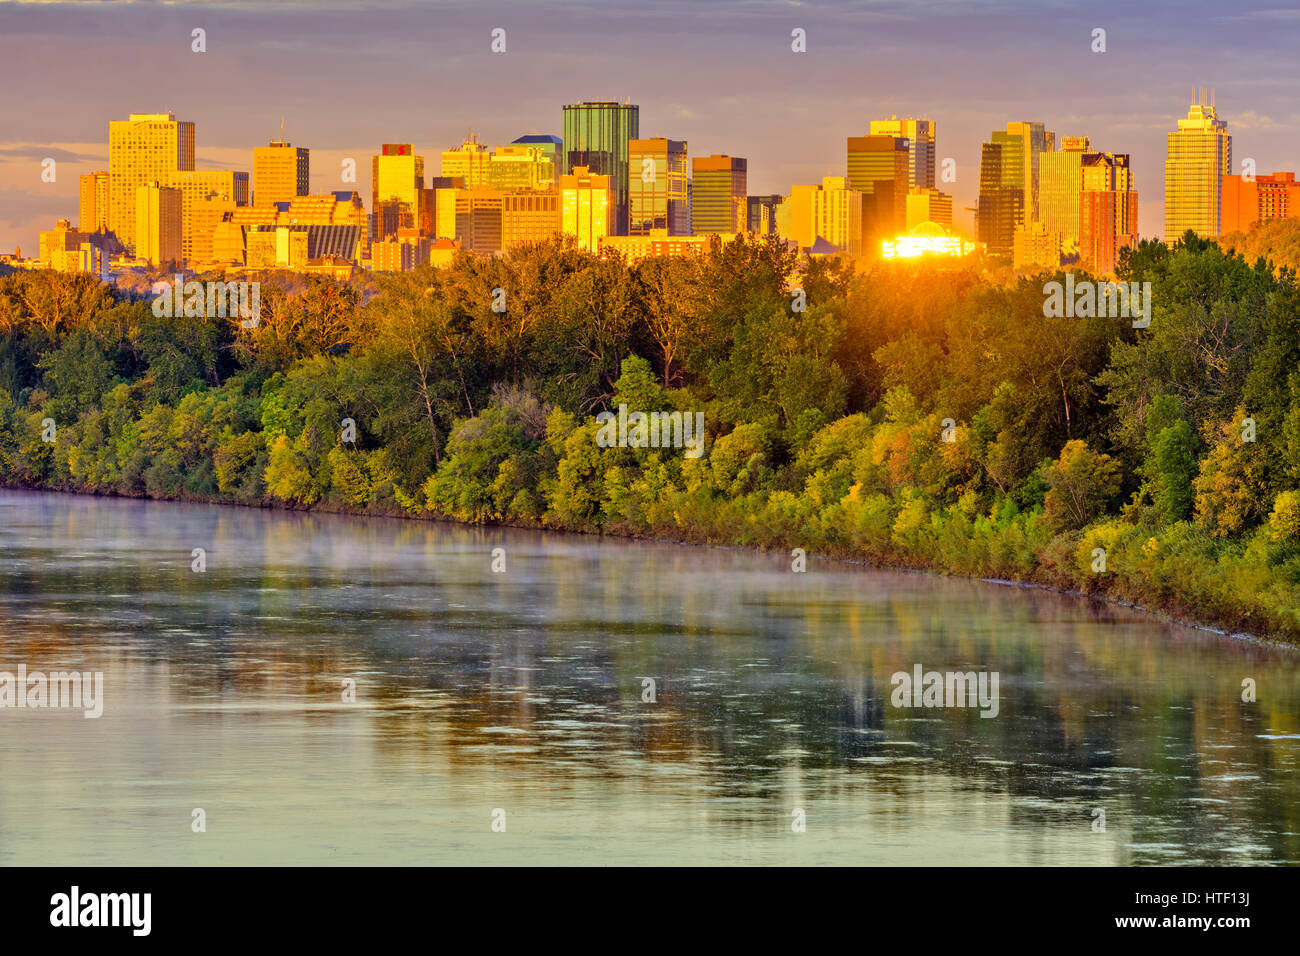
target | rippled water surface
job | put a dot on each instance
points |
(523, 691)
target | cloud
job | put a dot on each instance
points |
(18, 207)
(37, 152)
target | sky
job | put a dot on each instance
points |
(347, 75)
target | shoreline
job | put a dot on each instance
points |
(1102, 596)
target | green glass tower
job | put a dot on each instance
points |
(596, 135)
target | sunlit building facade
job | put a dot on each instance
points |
(587, 207)
(94, 201)
(919, 134)
(831, 212)
(597, 136)
(1199, 156)
(198, 185)
(719, 194)
(468, 161)
(157, 224)
(145, 148)
(1009, 183)
(281, 171)
(397, 174)
(529, 215)
(657, 198)
(928, 205)
(1263, 198)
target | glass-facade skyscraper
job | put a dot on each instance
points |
(657, 187)
(1009, 177)
(1200, 155)
(597, 136)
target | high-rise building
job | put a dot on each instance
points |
(1060, 187)
(587, 206)
(94, 202)
(1108, 210)
(762, 214)
(479, 213)
(468, 161)
(397, 174)
(1036, 247)
(59, 246)
(657, 180)
(919, 134)
(928, 205)
(1009, 181)
(157, 224)
(1248, 201)
(206, 217)
(198, 185)
(146, 148)
(596, 137)
(529, 215)
(830, 212)
(521, 166)
(552, 148)
(719, 197)
(1199, 156)
(878, 168)
(281, 171)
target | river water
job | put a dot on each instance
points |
(507, 717)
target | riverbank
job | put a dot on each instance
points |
(1114, 589)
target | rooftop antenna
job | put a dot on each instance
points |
(1211, 97)
(282, 129)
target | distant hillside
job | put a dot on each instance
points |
(1277, 240)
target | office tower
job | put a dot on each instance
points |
(1199, 156)
(405, 251)
(59, 246)
(205, 219)
(830, 212)
(1108, 210)
(596, 137)
(552, 147)
(468, 161)
(444, 215)
(719, 198)
(157, 224)
(1060, 187)
(657, 187)
(1246, 202)
(198, 185)
(878, 168)
(761, 216)
(521, 166)
(94, 202)
(587, 206)
(281, 171)
(478, 212)
(1036, 247)
(928, 205)
(397, 174)
(146, 148)
(529, 215)
(919, 134)
(1009, 183)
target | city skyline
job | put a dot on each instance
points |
(786, 113)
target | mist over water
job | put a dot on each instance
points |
(522, 690)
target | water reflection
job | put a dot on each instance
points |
(523, 691)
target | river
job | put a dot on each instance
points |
(507, 716)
